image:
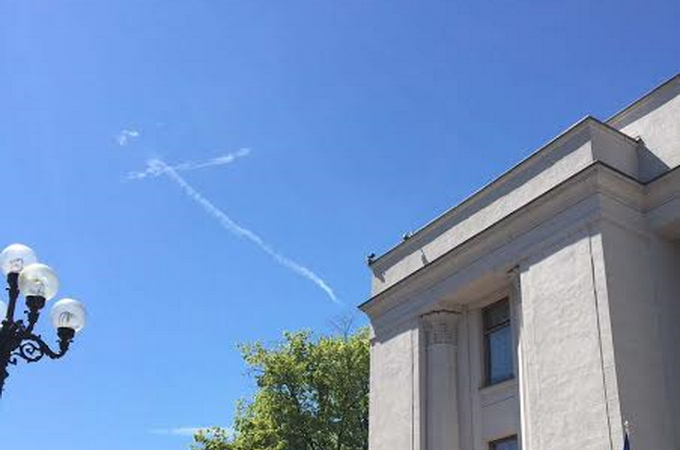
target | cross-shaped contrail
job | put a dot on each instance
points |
(190, 165)
(158, 167)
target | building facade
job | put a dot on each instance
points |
(542, 312)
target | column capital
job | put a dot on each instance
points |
(440, 327)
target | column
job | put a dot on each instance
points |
(442, 400)
(514, 277)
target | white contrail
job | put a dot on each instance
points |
(190, 165)
(157, 166)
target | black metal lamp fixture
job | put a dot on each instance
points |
(39, 284)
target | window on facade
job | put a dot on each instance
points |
(498, 346)
(509, 443)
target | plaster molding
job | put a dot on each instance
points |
(596, 179)
(622, 188)
(662, 190)
(517, 240)
(539, 211)
(420, 301)
(422, 294)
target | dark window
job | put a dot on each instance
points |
(509, 443)
(498, 348)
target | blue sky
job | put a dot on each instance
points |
(362, 120)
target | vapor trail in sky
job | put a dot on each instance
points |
(190, 165)
(158, 167)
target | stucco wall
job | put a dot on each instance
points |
(566, 400)
(657, 121)
(636, 330)
(394, 396)
(665, 263)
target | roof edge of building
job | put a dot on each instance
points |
(607, 124)
(416, 235)
(642, 100)
(366, 305)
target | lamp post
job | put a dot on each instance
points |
(39, 284)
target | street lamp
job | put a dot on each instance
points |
(39, 284)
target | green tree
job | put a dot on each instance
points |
(312, 394)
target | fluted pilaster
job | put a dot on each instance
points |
(441, 333)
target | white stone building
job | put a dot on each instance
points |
(543, 311)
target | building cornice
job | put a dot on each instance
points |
(662, 189)
(642, 101)
(597, 178)
(426, 232)
(662, 204)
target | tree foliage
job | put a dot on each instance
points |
(312, 394)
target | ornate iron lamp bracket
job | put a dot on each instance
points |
(17, 340)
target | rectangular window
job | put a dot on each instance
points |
(498, 347)
(509, 443)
